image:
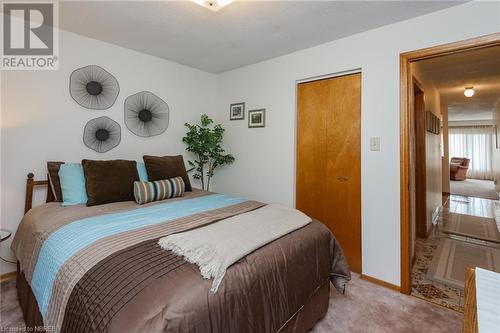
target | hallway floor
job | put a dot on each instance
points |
(466, 234)
(477, 188)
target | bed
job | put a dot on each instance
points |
(100, 269)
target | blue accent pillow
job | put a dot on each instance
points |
(143, 173)
(72, 184)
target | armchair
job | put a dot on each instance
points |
(458, 168)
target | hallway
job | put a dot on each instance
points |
(465, 235)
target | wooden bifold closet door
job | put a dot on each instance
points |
(328, 176)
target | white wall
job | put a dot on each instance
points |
(40, 121)
(265, 157)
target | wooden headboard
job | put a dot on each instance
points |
(30, 185)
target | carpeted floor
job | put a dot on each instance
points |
(11, 317)
(371, 308)
(474, 188)
(365, 308)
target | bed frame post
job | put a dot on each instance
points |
(29, 192)
(30, 185)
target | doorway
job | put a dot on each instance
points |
(328, 160)
(461, 94)
(407, 150)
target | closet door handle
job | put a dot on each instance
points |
(342, 178)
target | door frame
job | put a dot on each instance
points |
(419, 167)
(406, 83)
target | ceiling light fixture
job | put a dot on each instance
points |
(469, 91)
(214, 5)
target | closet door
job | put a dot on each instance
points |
(328, 178)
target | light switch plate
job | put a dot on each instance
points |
(375, 143)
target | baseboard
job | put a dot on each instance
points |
(8, 276)
(436, 213)
(379, 282)
(445, 197)
(435, 218)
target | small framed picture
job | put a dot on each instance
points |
(432, 123)
(237, 111)
(257, 118)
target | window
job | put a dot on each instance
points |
(476, 144)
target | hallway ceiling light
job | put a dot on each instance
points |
(214, 5)
(469, 92)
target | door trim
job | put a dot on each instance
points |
(328, 76)
(420, 171)
(405, 125)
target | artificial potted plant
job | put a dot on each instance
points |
(204, 140)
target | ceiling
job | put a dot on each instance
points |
(243, 33)
(452, 73)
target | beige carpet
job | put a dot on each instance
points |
(472, 226)
(11, 317)
(368, 308)
(365, 308)
(452, 258)
(474, 188)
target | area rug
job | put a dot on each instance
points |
(474, 188)
(472, 226)
(453, 257)
(427, 289)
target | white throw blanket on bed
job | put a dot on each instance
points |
(217, 246)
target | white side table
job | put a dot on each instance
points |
(4, 234)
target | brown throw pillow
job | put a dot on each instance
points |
(54, 183)
(166, 167)
(109, 181)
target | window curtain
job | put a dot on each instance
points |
(476, 144)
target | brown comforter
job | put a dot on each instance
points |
(133, 285)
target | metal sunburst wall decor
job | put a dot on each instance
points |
(146, 114)
(102, 134)
(93, 87)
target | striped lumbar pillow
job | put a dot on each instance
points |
(145, 192)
